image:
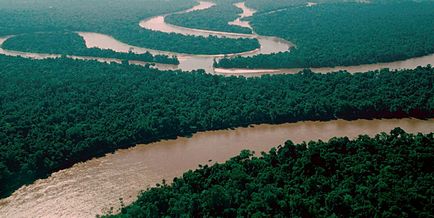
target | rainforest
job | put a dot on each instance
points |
(341, 177)
(67, 43)
(330, 35)
(65, 111)
(216, 108)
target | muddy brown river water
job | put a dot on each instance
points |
(93, 187)
(247, 12)
(190, 62)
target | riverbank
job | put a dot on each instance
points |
(190, 62)
(93, 187)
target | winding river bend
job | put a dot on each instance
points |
(190, 62)
(93, 187)
(39, 56)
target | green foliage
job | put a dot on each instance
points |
(57, 112)
(385, 176)
(20, 16)
(68, 43)
(215, 18)
(119, 19)
(272, 5)
(344, 34)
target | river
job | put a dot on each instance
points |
(190, 62)
(246, 12)
(92, 187)
(268, 45)
(40, 56)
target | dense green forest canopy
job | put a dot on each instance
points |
(344, 34)
(56, 112)
(271, 5)
(384, 176)
(267, 6)
(119, 19)
(216, 18)
(22, 16)
(69, 43)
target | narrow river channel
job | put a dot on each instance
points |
(93, 187)
(190, 62)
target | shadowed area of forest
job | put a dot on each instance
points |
(57, 112)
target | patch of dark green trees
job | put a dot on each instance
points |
(57, 112)
(389, 175)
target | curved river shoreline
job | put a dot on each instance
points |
(40, 56)
(92, 187)
(189, 62)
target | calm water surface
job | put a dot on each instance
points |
(190, 62)
(247, 12)
(92, 187)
